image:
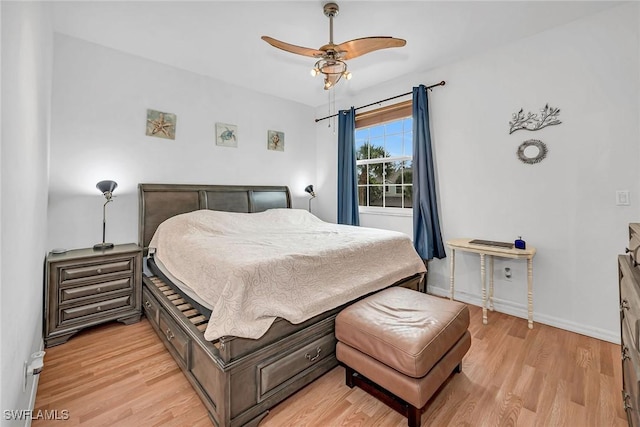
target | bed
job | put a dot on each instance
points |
(238, 378)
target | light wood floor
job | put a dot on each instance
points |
(117, 375)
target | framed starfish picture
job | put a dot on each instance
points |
(162, 125)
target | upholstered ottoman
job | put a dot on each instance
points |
(404, 342)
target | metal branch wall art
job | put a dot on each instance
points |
(548, 117)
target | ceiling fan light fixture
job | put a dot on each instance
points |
(314, 72)
(333, 70)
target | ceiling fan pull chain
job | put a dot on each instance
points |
(329, 107)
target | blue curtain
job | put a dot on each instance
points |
(347, 178)
(427, 238)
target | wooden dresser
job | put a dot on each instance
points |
(86, 287)
(629, 282)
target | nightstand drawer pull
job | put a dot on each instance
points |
(99, 271)
(625, 353)
(314, 358)
(169, 334)
(147, 304)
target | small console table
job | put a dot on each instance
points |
(465, 245)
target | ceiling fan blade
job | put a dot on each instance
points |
(358, 47)
(299, 50)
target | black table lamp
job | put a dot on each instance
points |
(106, 188)
(309, 189)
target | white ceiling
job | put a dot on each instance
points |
(221, 39)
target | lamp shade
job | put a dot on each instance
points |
(309, 189)
(106, 186)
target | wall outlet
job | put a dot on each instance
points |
(622, 198)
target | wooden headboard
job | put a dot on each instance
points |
(159, 202)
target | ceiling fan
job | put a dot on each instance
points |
(332, 57)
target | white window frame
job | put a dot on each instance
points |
(380, 210)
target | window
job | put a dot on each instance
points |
(384, 158)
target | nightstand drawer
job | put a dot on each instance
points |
(70, 294)
(78, 272)
(96, 309)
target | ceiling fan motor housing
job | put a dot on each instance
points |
(331, 10)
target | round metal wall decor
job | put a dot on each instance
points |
(532, 151)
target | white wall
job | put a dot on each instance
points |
(26, 101)
(100, 100)
(564, 206)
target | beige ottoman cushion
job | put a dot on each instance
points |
(404, 329)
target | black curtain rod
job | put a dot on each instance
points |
(442, 83)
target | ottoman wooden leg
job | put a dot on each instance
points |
(349, 376)
(414, 416)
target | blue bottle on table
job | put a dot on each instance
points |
(519, 243)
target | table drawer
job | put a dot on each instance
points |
(177, 339)
(630, 302)
(71, 273)
(94, 310)
(630, 366)
(276, 372)
(72, 293)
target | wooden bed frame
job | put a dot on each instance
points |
(238, 379)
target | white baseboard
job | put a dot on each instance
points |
(520, 310)
(34, 390)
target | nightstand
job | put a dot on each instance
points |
(86, 287)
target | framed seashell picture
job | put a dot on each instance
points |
(275, 140)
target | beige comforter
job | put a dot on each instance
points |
(252, 268)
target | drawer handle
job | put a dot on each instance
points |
(314, 358)
(99, 290)
(147, 304)
(169, 335)
(625, 401)
(624, 305)
(99, 271)
(99, 308)
(625, 353)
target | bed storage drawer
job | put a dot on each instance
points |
(176, 339)
(277, 372)
(150, 307)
